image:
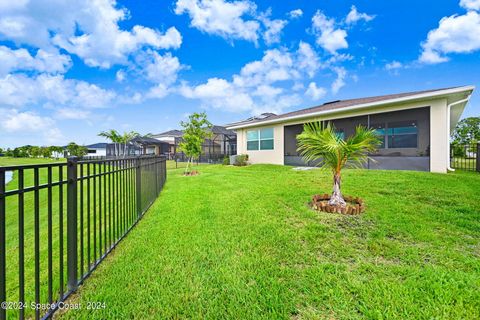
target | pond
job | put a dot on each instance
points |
(8, 176)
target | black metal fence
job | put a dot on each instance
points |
(58, 221)
(203, 158)
(465, 157)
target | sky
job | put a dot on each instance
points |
(70, 69)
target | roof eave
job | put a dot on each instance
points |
(422, 96)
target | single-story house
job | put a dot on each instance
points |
(97, 149)
(415, 128)
(169, 137)
(222, 141)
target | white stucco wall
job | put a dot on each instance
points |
(439, 144)
(274, 156)
(438, 133)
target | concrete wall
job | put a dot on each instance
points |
(439, 140)
(274, 156)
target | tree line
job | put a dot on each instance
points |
(30, 151)
(466, 136)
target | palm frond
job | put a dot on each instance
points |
(316, 143)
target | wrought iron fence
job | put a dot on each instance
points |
(465, 157)
(58, 221)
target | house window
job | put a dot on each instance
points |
(402, 134)
(380, 131)
(260, 139)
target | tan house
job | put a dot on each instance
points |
(415, 128)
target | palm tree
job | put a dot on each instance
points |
(126, 138)
(113, 136)
(334, 152)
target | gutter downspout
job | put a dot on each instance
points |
(449, 107)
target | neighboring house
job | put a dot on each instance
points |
(137, 146)
(414, 127)
(97, 149)
(169, 137)
(151, 146)
(222, 142)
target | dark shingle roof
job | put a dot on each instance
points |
(337, 104)
(147, 141)
(222, 130)
(100, 145)
(179, 133)
(169, 133)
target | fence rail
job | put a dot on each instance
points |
(58, 221)
(465, 157)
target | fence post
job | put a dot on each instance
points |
(138, 184)
(3, 276)
(72, 262)
(478, 157)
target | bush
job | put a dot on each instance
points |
(241, 160)
(226, 161)
(459, 150)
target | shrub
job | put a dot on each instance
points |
(226, 161)
(241, 160)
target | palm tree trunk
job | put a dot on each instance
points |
(337, 198)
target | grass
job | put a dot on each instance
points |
(241, 243)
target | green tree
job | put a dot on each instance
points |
(46, 152)
(22, 152)
(56, 151)
(467, 131)
(35, 151)
(333, 152)
(195, 131)
(74, 149)
(9, 153)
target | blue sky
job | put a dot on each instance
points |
(70, 70)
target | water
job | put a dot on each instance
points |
(8, 176)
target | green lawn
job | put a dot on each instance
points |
(241, 243)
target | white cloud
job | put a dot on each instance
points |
(294, 14)
(19, 90)
(470, 4)
(314, 92)
(393, 65)
(160, 69)
(258, 86)
(218, 17)
(71, 113)
(354, 16)
(340, 80)
(88, 29)
(22, 60)
(328, 36)
(120, 75)
(455, 34)
(307, 59)
(14, 121)
(273, 28)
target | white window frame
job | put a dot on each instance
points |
(259, 139)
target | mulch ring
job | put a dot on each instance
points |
(354, 205)
(192, 173)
